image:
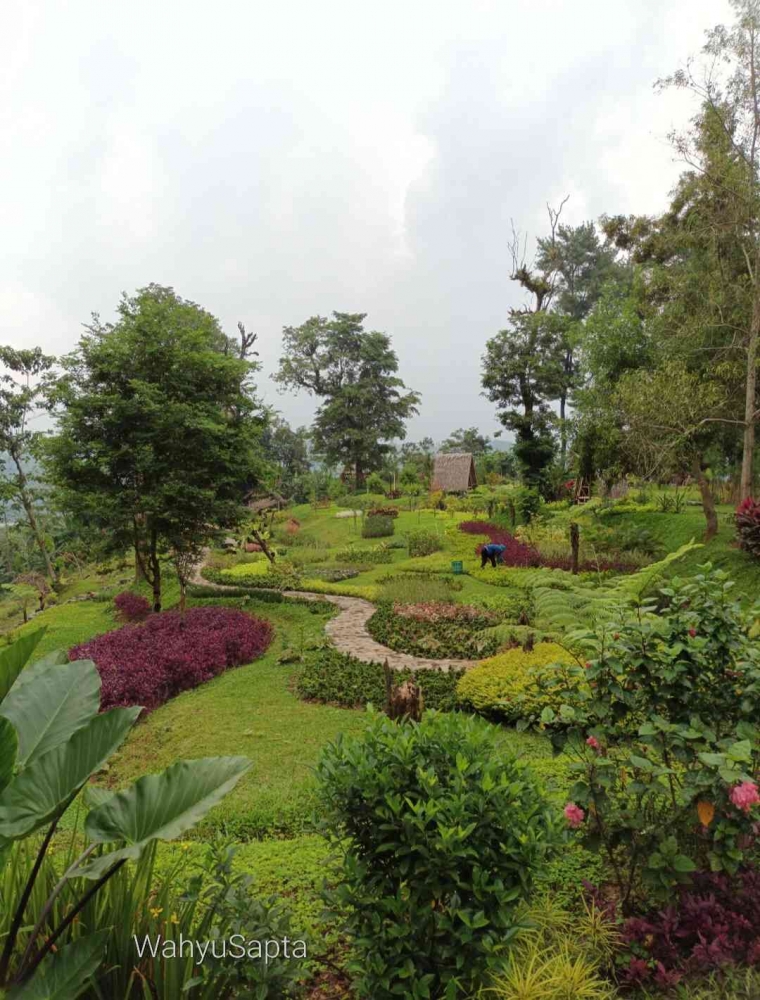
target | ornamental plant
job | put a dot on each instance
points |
(518, 684)
(423, 543)
(131, 607)
(53, 738)
(748, 526)
(150, 663)
(440, 835)
(378, 527)
(437, 636)
(664, 737)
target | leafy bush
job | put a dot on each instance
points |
(669, 733)
(383, 512)
(714, 922)
(374, 556)
(340, 679)
(459, 636)
(201, 592)
(333, 574)
(52, 740)
(423, 543)
(748, 526)
(148, 664)
(441, 836)
(377, 527)
(131, 607)
(509, 686)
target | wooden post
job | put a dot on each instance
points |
(575, 545)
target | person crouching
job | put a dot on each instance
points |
(493, 553)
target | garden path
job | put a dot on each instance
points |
(348, 630)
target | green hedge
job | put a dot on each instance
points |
(378, 527)
(340, 679)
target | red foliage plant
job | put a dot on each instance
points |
(517, 553)
(712, 923)
(151, 663)
(131, 607)
(748, 526)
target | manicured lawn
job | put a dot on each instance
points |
(251, 711)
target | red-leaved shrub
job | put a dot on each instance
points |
(715, 921)
(148, 664)
(131, 607)
(748, 526)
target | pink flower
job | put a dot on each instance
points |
(593, 742)
(745, 795)
(574, 815)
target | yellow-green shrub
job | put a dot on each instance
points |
(517, 684)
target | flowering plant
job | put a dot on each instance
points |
(748, 525)
(663, 738)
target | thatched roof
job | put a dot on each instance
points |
(454, 473)
(259, 503)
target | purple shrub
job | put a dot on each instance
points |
(131, 607)
(713, 922)
(748, 526)
(151, 663)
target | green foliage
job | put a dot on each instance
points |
(339, 679)
(423, 543)
(518, 684)
(433, 798)
(376, 555)
(418, 588)
(665, 737)
(355, 373)
(55, 739)
(377, 527)
(434, 635)
(157, 399)
(577, 602)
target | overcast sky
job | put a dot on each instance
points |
(274, 161)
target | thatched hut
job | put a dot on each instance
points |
(454, 473)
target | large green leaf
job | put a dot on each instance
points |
(160, 807)
(49, 702)
(38, 792)
(67, 975)
(14, 658)
(8, 751)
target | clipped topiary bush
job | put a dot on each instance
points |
(340, 679)
(514, 685)
(148, 664)
(441, 835)
(383, 512)
(423, 543)
(131, 607)
(435, 630)
(378, 527)
(364, 554)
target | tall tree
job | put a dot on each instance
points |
(727, 85)
(579, 265)
(22, 388)
(158, 429)
(467, 439)
(365, 403)
(287, 450)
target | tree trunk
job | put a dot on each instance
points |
(26, 502)
(562, 430)
(750, 400)
(708, 501)
(155, 571)
(182, 597)
(358, 473)
(575, 544)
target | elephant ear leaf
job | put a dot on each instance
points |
(159, 807)
(38, 793)
(66, 975)
(14, 658)
(8, 751)
(49, 702)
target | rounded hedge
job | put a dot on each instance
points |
(516, 684)
(149, 664)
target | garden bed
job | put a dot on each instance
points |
(438, 631)
(150, 663)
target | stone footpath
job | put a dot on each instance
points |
(348, 630)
